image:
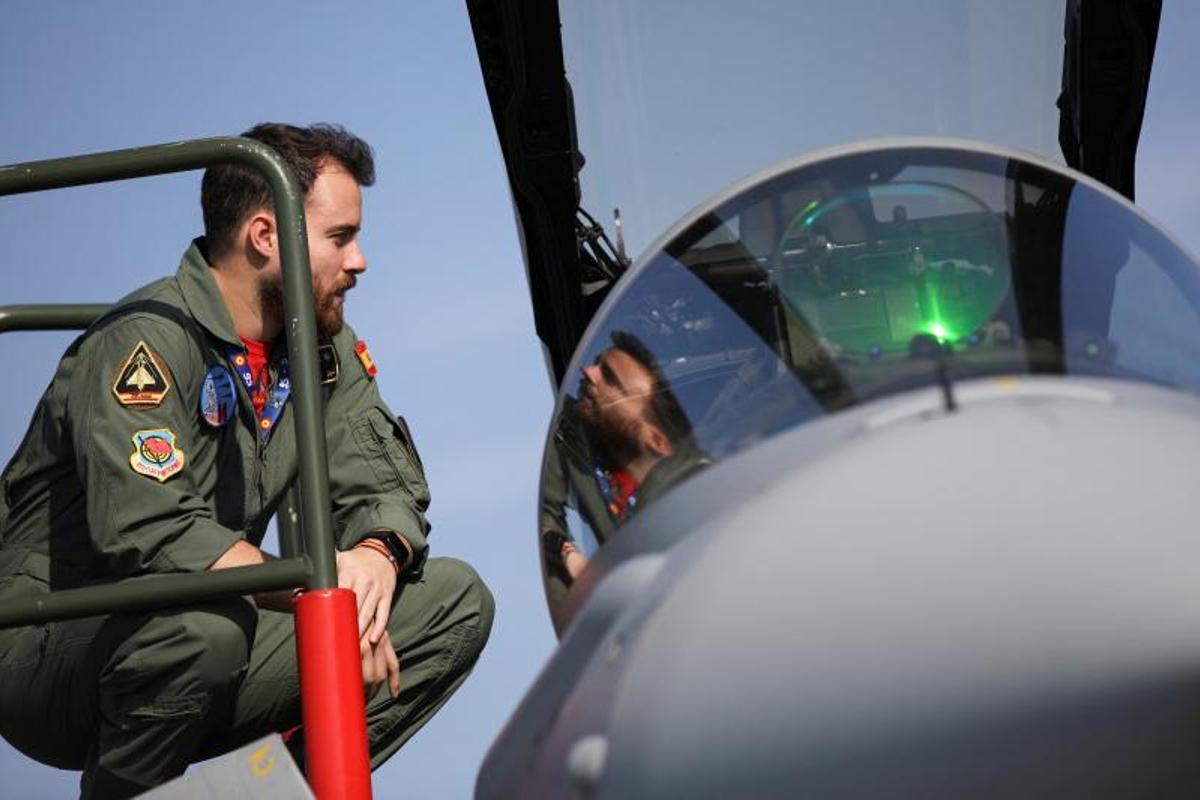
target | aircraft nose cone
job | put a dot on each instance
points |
(1002, 601)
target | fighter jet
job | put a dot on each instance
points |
(870, 474)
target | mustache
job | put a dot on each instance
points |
(341, 287)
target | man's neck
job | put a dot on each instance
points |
(238, 284)
(640, 467)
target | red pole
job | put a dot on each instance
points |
(331, 694)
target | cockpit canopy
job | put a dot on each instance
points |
(835, 280)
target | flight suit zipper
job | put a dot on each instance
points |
(260, 447)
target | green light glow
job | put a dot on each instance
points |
(800, 214)
(935, 321)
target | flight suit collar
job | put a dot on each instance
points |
(203, 297)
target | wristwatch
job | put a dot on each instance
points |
(394, 545)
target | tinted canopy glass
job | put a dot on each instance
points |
(676, 99)
(829, 283)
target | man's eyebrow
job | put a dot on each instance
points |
(340, 230)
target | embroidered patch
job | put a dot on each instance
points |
(218, 397)
(155, 454)
(141, 381)
(368, 364)
(327, 357)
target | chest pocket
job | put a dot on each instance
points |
(386, 445)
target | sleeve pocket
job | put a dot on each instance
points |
(385, 445)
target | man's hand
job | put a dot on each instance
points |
(379, 663)
(372, 578)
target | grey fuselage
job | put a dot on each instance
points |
(895, 601)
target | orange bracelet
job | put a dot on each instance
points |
(381, 548)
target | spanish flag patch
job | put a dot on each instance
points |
(364, 357)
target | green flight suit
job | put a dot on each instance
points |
(569, 480)
(119, 475)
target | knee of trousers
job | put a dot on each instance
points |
(202, 650)
(473, 606)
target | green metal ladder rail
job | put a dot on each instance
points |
(316, 568)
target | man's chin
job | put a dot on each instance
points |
(330, 323)
(585, 408)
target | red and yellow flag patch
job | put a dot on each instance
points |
(364, 356)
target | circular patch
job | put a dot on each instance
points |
(218, 397)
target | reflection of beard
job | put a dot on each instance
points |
(325, 307)
(613, 438)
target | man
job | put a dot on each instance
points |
(619, 445)
(164, 444)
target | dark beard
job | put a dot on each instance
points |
(614, 441)
(329, 318)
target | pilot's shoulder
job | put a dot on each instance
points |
(353, 353)
(154, 315)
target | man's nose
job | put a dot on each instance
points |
(592, 373)
(356, 260)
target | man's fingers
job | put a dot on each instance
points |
(368, 666)
(383, 608)
(381, 665)
(372, 675)
(368, 601)
(393, 666)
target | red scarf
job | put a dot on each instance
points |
(257, 354)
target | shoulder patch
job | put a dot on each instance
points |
(155, 454)
(218, 397)
(364, 356)
(141, 381)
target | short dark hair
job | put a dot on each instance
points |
(664, 409)
(230, 191)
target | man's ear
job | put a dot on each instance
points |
(657, 441)
(262, 235)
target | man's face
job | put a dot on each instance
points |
(613, 394)
(333, 216)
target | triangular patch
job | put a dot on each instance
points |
(141, 381)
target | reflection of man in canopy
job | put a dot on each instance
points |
(619, 445)
(632, 418)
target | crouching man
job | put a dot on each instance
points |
(164, 444)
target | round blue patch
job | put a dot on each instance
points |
(218, 397)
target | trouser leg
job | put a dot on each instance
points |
(439, 624)
(171, 680)
(127, 699)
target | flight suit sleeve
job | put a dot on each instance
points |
(375, 474)
(147, 510)
(552, 515)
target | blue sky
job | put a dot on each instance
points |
(444, 304)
